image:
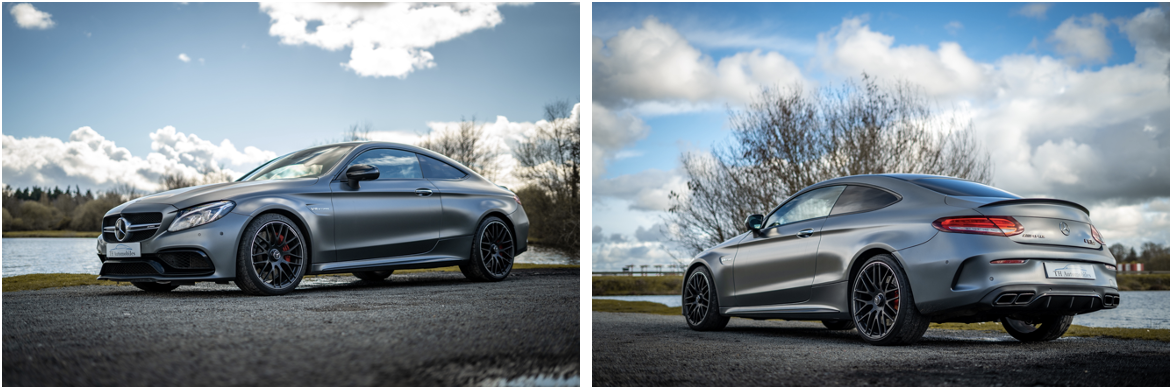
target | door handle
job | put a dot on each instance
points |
(805, 233)
(424, 192)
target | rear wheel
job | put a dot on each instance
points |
(493, 249)
(373, 276)
(701, 307)
(155, 287)
(882, 304)
(838, 324)
(1037, 329)
(272, 256)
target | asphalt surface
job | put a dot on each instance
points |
(417, 329)
(657, 350)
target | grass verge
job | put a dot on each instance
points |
(50, 233)
(635, 285)
(621, 306)
(1143, 282)
(53, 280)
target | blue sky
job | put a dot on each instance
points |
(1071, 99)
(115, 67)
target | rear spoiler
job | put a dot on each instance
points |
(1039, 200)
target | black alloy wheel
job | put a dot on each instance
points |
(700, 305)
(1037, 329)
(272, 258)
(881, 304)
(493, 250)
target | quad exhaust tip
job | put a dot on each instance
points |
(1013, 298)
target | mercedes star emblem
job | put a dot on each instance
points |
(120, 229)
(1064, 229)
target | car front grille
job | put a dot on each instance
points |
(128, 269)
(134, 219)
(186, 260)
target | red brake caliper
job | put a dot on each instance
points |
(284, 248)
(896, 300)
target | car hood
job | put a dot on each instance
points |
(195, 195)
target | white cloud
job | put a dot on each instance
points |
(386, 40)
(90, 160)
(1148, 32)
(953, 27)
(645, 190)
(1082, 39)
(612, 132)
(29, 17)
(655, 63)
(183, 57)
(1133, 224)
(853, 48)
(1034, 10)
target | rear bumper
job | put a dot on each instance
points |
(952, 278)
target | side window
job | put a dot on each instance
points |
(391, 164)
(813, 204)
(434, 169)
(862, 199)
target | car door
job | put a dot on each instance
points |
(394, 215)
(776, 265)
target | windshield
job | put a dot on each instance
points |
(310, 163)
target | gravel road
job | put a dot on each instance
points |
(418, 329)
(658, 350)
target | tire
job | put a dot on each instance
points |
(373, 276)
(272, 257)
(493, 250)
(701, 307)
(882, 306)
(155, 287)
(838, 324)
(1037, 329)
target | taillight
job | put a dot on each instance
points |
(1109, 266)
(1098, 237)
(518, 199)
(993, 225)
(1008, 261)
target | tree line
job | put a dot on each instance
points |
(36, 208)
(1154, 256)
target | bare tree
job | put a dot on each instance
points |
(787, 139)
(465, 144)
(358, 132)
(550, 164)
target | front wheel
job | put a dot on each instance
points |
(492, 254)
(155, 287)
(1037, 329)
(701, 307)
(882, 304)
(272, 256)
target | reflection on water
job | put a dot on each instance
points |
(1137, 309)
(24, 256)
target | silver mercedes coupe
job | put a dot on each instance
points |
(366, 208)
(888, 254)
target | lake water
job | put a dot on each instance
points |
(22, 256)
(1138, 309)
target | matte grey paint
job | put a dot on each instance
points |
(382, 225)
(775, 274)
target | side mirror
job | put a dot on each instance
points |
(360, 172)
(754, 222)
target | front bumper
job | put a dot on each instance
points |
(953, 280)
(216, 242)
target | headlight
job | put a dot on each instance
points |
(202, 214)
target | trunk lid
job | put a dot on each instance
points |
(1046, 221)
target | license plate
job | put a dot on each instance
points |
(123, 250)
(1069, 271)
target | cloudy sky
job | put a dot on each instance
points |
(1071, 100)
(101, 94)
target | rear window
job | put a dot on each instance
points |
(962, 188)
(862, 199)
